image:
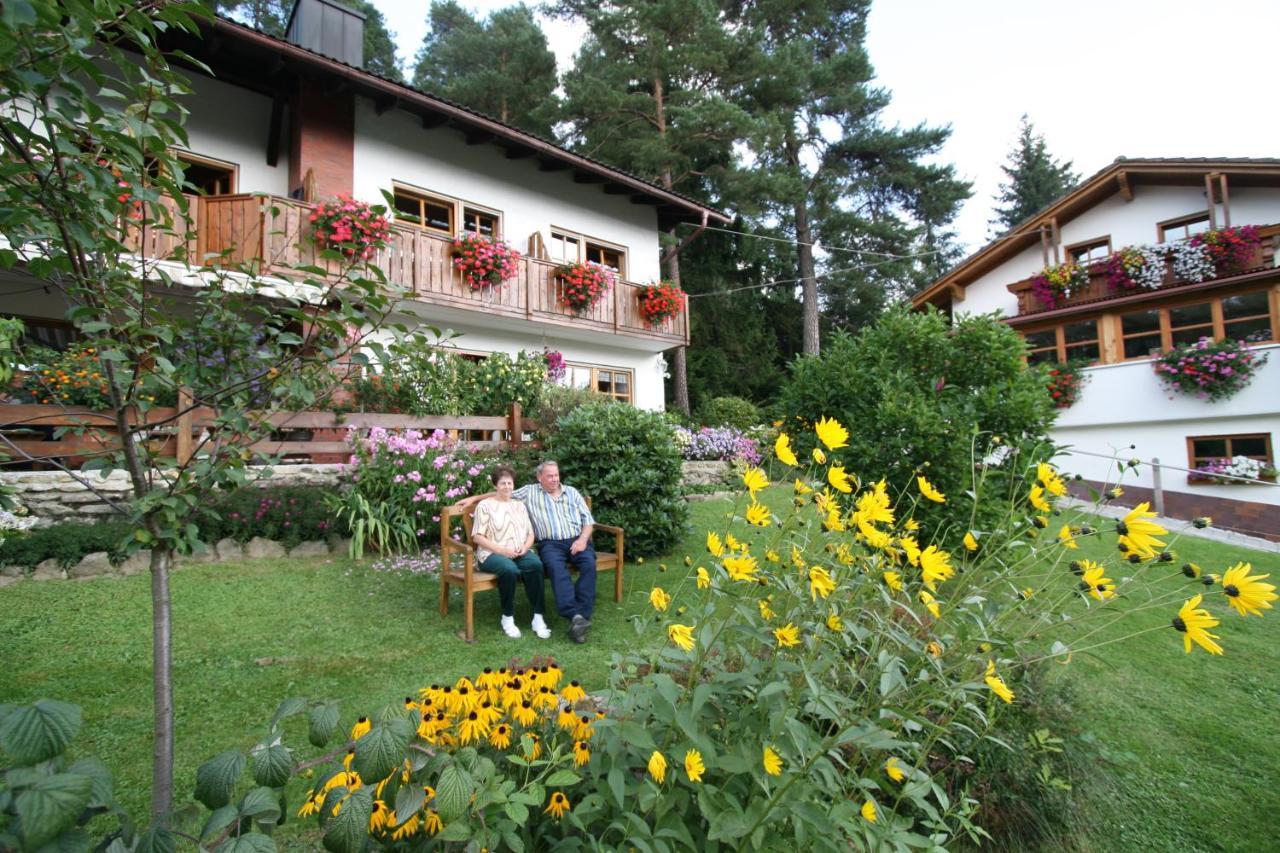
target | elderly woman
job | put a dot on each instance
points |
(503, 537)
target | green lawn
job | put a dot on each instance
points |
(1191, 758)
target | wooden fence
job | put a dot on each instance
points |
(41, 434)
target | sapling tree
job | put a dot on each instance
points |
(92, 209)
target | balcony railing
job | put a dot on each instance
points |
(1099, 288)
(276, 232)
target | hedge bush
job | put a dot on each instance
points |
(66, 542)
(921, 395)
(625, 460)
(730, 411)
(287, 514)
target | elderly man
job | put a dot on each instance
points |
(562, 525)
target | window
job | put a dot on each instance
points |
(1204, 449)
(1244, 316)
(569, 248)
(1140, 332)
(610, 381)
(482, 222)
(1077, 340)
(1190, 323)
(429, 212)
(1247, 317)
(207, 176)
(1089, 251)
(40, 331)
(1183, 227)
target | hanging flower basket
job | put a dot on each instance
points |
(484, 262)
(583, 285)
(660, 302)
(1055, 284)
(354, 228)
(1136, 268)
(1231, 249)
(1215, 371)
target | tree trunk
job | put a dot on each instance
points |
(679, 367)
(808, 282)
(162, 684)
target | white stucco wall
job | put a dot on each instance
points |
(230, 123)
(1126, 404)
(395, 147)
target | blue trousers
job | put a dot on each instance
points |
(527, 568)
(572, 599)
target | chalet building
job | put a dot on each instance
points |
(299, 121)
(1119, 328)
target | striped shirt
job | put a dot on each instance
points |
(560, 517)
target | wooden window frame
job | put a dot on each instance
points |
(1215, 308)
(458, 209)
(212, 163)
(1087, 245)
(469, 209)
(1060, 336)
(1194, 461)
(595, 369)
(1181, 222)
(586, 241)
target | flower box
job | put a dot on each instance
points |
(1212, 370)
(583, 285)
(660, 302)
(354, 228)
(484, 262)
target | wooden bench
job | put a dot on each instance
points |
(471, 580)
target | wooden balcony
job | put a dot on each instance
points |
(276, 232)
(1100, 290)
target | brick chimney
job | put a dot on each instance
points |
(328, 27)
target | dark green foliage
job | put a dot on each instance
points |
(288, 514)
(67, 543)
(919, 395)
(501, 66)
(624, 459)
(559, 400)
(1034, 179)
(729, 411)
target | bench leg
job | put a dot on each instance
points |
(617, 574)
(469, 611)
(444, 597)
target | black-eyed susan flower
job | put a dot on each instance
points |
(361, 728)
(1191, 570)
(582, 730)
(566, 719)
(1139, 534)
(821, 584)
(380, 816)
(472, 728)
(772, 761)
(693, 766)
(1051, 479)
(1194, 622)
(935, 566)
(754, 479)
(741, 568)
(581, 753)
(996, 683)
(525, 714)
(431, 823)
(408, 828)
(758, 515)
(573, 692)
(1202, 522)
(500, 736)
(681, 635)
(831, 433)
(869, 812)
(1247, 593)
(658, 767)
(894, 769)
(1093, 582)
(782, 450)
(929, 491)
(787, 636)
(557, 805)
(659, 599)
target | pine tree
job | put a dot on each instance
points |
(501, 66)
(827, 169)
(1034, 179)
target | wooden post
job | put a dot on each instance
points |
(184, 426)
(1226, 201)
(1208, 192)
(1157, 488)
(515, 424)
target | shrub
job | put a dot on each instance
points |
(66, 542)
(559, 400)
(493, 384)
(287, 514)
(918, 394)
(73, 377)
(1211, 370)
(420, 376)
(730, 411)
(625, 460)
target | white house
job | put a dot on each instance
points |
(298, 118)
(1124, 410)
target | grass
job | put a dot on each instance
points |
(1188, 758)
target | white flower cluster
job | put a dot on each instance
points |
(1191, 262)
(1242, 466)
(1151, 275)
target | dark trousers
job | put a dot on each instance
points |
(572, 599)
(528, 568)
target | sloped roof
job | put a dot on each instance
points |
(1112, 178)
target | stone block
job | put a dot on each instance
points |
(5, 580)
(21, 571)
(260, 548)
(48, 570)
(138, 562)
(92, 565)
(705, 473)
(228, 550)
(201, 552)
(310, 549)
(338, 546)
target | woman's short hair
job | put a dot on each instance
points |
(501, 471)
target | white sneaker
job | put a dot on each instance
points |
(539, 627)
(509, 627)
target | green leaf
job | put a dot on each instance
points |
(74, 840)
(513, 841)
(459, 830)
(250, 842)
(349, 831)
(453, 793)
(38, 732)
(408, 800)
(216, 778)
(97, 771)
(261, 804)
(290, 707)
(562, 778)
(272, 766)
(518, 812)
(52, 805)
(383, 748)
(156, 840)
(322, 721)
(617, 787)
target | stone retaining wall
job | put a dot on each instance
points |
(705, 473)
(53, 496)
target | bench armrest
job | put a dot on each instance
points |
(608, 528)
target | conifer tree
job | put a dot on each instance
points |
(1034, 179)
(500, 66)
